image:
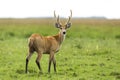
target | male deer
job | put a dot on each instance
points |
(47, 45)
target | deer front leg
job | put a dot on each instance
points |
(54, 63)
(50, 60)
(37, 61)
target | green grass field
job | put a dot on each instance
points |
(91, 50)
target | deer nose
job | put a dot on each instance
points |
(64, 32)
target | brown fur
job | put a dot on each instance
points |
(46, 44)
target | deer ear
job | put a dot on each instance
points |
(57, 25)
(68, 25)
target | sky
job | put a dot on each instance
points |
(45, 8)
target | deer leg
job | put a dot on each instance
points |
(37, 61)
(27, 61)
(54, 63)
(50, 60)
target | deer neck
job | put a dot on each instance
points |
(60, 38)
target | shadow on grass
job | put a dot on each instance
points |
(116, 74)
(33, 73)
(23, 71)
(30, 71)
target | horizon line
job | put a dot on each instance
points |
(92, 17)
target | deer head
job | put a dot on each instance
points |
(62, 27)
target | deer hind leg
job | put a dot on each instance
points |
(38, 60)
(27, 60)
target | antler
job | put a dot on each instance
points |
(70, 16)
(54, 14)
(57, 18)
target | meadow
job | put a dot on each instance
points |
(91, 50)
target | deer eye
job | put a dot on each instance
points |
(60, 27)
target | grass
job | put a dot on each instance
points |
(91, 50)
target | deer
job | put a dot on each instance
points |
(47, 44)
